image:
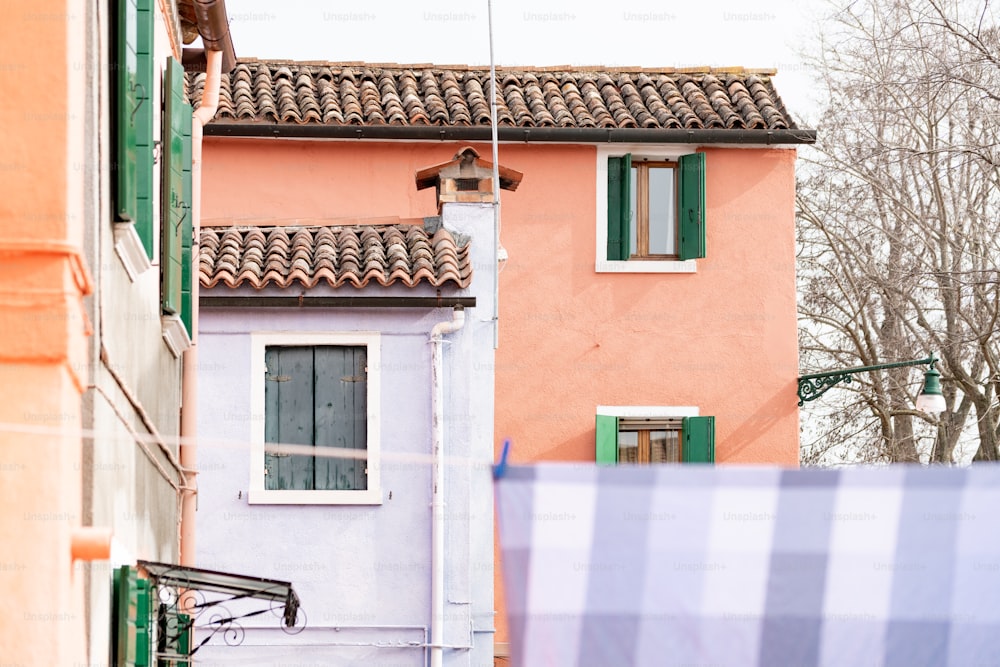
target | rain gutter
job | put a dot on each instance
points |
(627, 135)
(306, 301)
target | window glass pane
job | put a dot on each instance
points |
(662, 211)
(628, 446)
(632, 197)
(664, 447)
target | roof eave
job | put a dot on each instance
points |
(586, 135)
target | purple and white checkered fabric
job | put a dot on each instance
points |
(684, 566)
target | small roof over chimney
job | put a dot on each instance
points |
(466, 178)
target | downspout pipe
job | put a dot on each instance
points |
(189, 386)
(437, 491)
(213, 26)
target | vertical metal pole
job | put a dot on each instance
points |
(496, 185)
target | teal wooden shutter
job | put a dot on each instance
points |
(341, 415)
(174, 637)
(288, 415)
(691, 206)
(126, 68)
(133, 116)
(699, 440)
(619, 206)
(187, 232)
(130, 619)
(144, 221)
(176, 209)
(607, 440)
(142, 634)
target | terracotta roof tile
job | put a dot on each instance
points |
(368, 94)
(340, 256)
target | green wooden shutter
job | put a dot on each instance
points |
(699, 439)
(691, 206)
(144, 221)
(607, 440)
(174, 637)
(341, 415)
(133, 116)
(619, 206)
(176, 209)
(187, 232)
(130, 619)
(289, 415)
(126, 68)
(142, 634)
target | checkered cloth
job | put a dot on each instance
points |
(683, 566)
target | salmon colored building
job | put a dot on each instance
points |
(647, 306)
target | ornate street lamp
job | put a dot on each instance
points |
(931, 400)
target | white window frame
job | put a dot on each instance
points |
(638, 151)
(648, 411)
(258, 494)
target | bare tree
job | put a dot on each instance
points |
(898, 214)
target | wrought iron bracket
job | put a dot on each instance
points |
(814, 385)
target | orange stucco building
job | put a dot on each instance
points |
(90, 358)
(43, 279)
(583, 332)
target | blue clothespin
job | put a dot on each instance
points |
(501, 467)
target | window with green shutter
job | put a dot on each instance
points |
(656, 208)
(316, 396)
(176, 227)
(132, 167)
(650, 439)
(130, 624)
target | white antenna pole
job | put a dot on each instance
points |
(496, 183)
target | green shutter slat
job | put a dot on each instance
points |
(187, 231)
(691, 206)
(185, 628)
(174, 637)
(123, 613)
(699, 439)
(619, 206)
(614, 208)
(625, 217)
(144, 219)
(175, 207)
(126, 105)
(607, 440)
(143, 649)
(341, 415)
(289, 415)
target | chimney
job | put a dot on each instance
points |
(466, 179)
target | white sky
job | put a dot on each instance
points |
(650, 33)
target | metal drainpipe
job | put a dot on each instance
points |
(437, 490)
(189, 387)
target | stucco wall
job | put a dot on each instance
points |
(362, 572)
(722, 339)
(122, 488)
(42, 335)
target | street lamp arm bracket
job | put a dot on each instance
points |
(814, 385)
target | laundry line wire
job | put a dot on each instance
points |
(203, 442)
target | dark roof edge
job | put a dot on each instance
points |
(586, 135)
(314, 301)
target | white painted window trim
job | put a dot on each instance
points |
(259, 341)
(175, 334)
(653, 152)
(649, 411)
(129, 248)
